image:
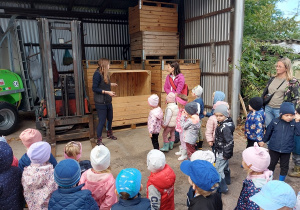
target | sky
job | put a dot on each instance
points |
(289, 8)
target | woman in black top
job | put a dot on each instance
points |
(103, 97)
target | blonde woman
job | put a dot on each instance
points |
(282, 87)
(103, 98)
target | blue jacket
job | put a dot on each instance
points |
(280, 135)
(254, 125)
(25, 161)
(11, 190)
(297, 145)
(72, 198)
(133, 204)
(200, 101)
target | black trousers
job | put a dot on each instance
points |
(105, 112)
(250, 143)
(284, 161)
(154, 140)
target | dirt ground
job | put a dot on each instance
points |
(131, 148)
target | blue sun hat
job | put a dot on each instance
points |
(275, 195)
(129, 181)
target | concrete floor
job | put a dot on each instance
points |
(131, 148)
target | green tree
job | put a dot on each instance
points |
(263, 21)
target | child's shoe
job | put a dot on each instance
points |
(183, 155)
(295, 172)
(165, 148)
(171, 145)
(179, 153)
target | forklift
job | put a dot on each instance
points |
(64, 112)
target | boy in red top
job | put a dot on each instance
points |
(160, 185)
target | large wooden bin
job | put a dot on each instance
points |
(153, 16)
(131, 103)
(150, 43)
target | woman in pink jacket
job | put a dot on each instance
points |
(99, 179)
(176, 76)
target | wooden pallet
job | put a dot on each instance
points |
(189, 68)
(153, 16)
(150, 43)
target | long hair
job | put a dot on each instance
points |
(287, 64)
(103, 64)
(176, 67)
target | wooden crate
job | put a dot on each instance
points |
(135, 64)
(149, 43)
(153, 16)
(133, 90)
(189, 68)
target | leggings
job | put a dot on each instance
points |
(284, 161)
(168, 130)
(182, 142)
(105, 112)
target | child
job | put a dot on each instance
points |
(211, 125)
(28, 137)
(99, 179)
(160, 185)
(11, 191)
(15, 160)
(73, 150)
(169, 122)
(223, 145)
(217, 96)
(191, 127)
(199, 155)
(204, 179)
(68, 195)
(296, 153)
(280, 134)
(181, 102)
(254, 125)
(275, 195)
(197, 93)
(128, 184)
(255, 161)
(37, 179)
(154, 120)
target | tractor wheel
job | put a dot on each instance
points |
(8, 118)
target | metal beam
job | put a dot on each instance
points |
(103, 6)
(57, 13)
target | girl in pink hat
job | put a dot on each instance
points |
(255, 161)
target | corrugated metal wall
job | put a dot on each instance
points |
(205, 31)
(95, 33)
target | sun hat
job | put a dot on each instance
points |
(275, 195)
(202, 173)
(129, 181)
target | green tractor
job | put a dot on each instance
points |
(11, 88)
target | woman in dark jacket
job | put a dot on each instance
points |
(284, 87)
(103, 98)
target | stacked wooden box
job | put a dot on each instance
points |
(133, 90)
(189, 68)
(153, 30)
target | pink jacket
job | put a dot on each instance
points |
(102, 187)
(178, 127)
(155, 119)
(38, 184)
(212, 123)
(178, 81)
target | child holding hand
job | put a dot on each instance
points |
(169, 122)
(154, 120)
(255, 161)
(280, 135)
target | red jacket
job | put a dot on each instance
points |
(160, 189)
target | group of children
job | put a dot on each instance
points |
(257, 161)
(42, 183)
